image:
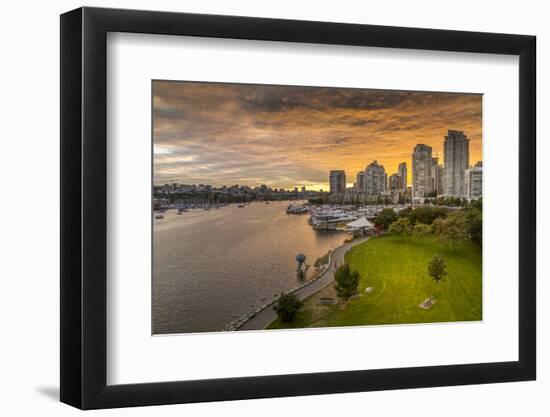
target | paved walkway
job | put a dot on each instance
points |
(267, 315)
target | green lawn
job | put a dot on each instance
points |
(396, 269)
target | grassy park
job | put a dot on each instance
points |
(395, 268)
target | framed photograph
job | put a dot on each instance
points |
(259, 208)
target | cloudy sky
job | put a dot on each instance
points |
(285, 136)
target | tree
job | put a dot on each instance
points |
(287, 307)
(406, 212)
(475, 225)
(449, 201)
(347, 281)
(478, 204)
(437, 225)
(386, 217)
(421, 230)
(400, 227)
(437, 268)
(426, 215)
(453, 228)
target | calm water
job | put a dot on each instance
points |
(211, 267)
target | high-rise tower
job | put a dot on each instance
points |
(422, 171)
(375, 178)
(402, 172)
(337, 181)
(456, 149)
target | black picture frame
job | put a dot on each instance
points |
(84, 207)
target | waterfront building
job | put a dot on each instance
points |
(303, 189)
(337, 181)
(375, 178)
(456, 148)
(402, 172)
(395, 183)
(421, 172)
(360, 181)
(437, 176)
(473, 182)
(437, 179)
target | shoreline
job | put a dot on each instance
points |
(235, 278)
(263, 316)
(241, 321)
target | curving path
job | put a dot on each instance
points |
(267, 315)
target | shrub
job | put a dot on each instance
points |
(426, 215)
(421, 230)
(323, 260)
(400, 227)
(453, 228)
(385, 218)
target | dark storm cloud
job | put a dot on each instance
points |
(282, 98)
(289, 136)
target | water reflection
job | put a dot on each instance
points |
(213, 266)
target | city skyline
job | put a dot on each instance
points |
(287, 137)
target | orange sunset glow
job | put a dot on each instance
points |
(288, 136)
